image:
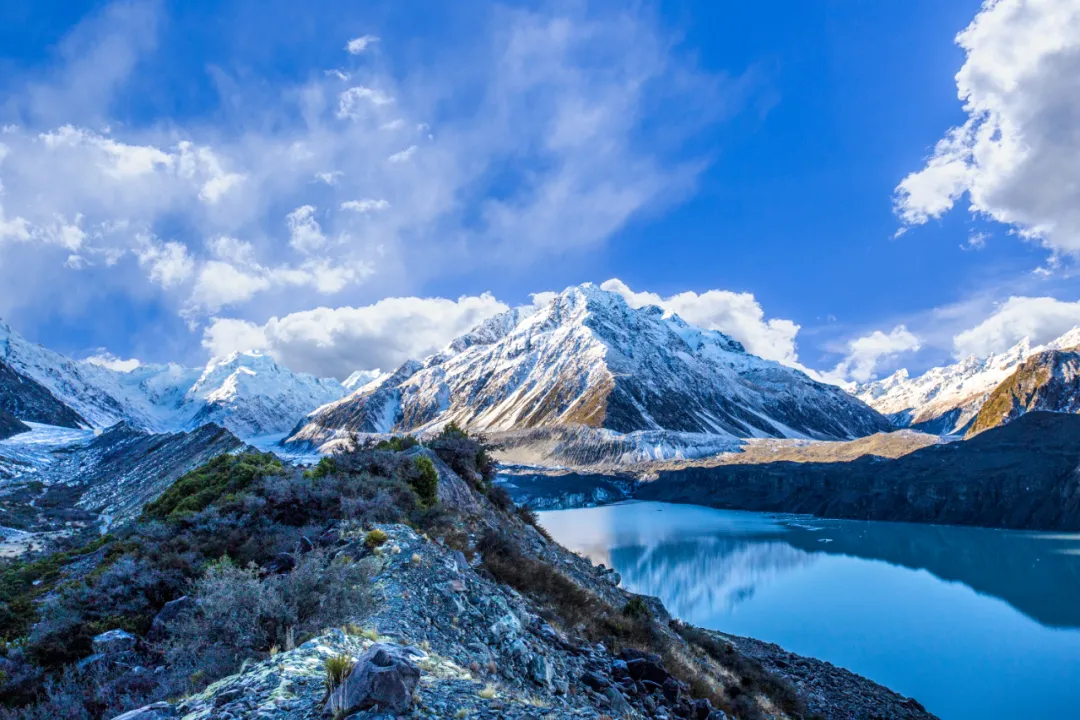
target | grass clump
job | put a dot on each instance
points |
(398, 443)
(375, 538)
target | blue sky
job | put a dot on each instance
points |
(184, 179)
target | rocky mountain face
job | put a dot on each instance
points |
(587, 358)
(1024, 475)
(1047, 381)
(248, 393)
(107, 478)
(25, 399)
(11, 426)
(945, 400)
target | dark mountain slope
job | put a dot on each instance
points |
(27, 399)
(1023, 475)
(11, 425)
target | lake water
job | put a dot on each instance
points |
(973, 623)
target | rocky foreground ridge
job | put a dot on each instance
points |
(443, 600)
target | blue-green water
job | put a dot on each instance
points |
(973, 623)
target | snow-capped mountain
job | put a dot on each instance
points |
(588, 358)
(945, 400)
(248, 393)
(251, 394)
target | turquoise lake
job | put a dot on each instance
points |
(973, 623)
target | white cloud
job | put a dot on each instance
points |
(403, 156)
(867, 352)
(106, 359)
(360, 44)
(357, 102)
(555, 152)
(1040, 319)
(1015, 156)
(305, 233)
(338, 341)
(736, 314)
(168, 263)
(367, 205)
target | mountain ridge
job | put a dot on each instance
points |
(588, 358)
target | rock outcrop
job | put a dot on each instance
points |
(1047, 381)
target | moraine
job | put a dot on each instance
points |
(972, 622)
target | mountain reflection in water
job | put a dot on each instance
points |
(971, 622)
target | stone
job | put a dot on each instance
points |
(114, 641)
(305, 545)
(672, 689)
(157, 711)
(701, 709)
(595, 681)
(619, 669)
(618, 705)
(171, 611)
(540, 670)
(383, 679)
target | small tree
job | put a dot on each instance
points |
(426, 482)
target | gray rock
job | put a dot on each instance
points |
(540, 670)
(169, 613)
(383, 679)
(114, 641)
(157, 711)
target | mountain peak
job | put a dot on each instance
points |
(588, 358)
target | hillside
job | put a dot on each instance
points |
(10, 425)
(587, 358)
(1047, 381)
(1022, 475)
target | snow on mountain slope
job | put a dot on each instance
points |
(249, 393)
(588, 358)
(362, 378)
(945, 400)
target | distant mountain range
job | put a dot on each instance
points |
(946, 400)
(587, 358)
(248, 393)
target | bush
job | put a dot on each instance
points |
(500, 497)
(529, 517)
(636, 608)
(398, 443)
(426, 481)
(225, 474)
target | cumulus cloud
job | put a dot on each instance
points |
(866, 353)
(1040, 319)
(347, 177)
(739, 315)
(1014, 157)
(339, 341)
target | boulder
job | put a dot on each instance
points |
(114, 641)
(384, 679)
(168, 614)
(281, 564)
(157, 711)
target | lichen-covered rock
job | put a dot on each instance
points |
(168, 614)
(383, 679)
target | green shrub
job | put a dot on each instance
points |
(375, 538)
(200, 488)
(426, 481)
(399, 443)
(325, 468)
(635, 607)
